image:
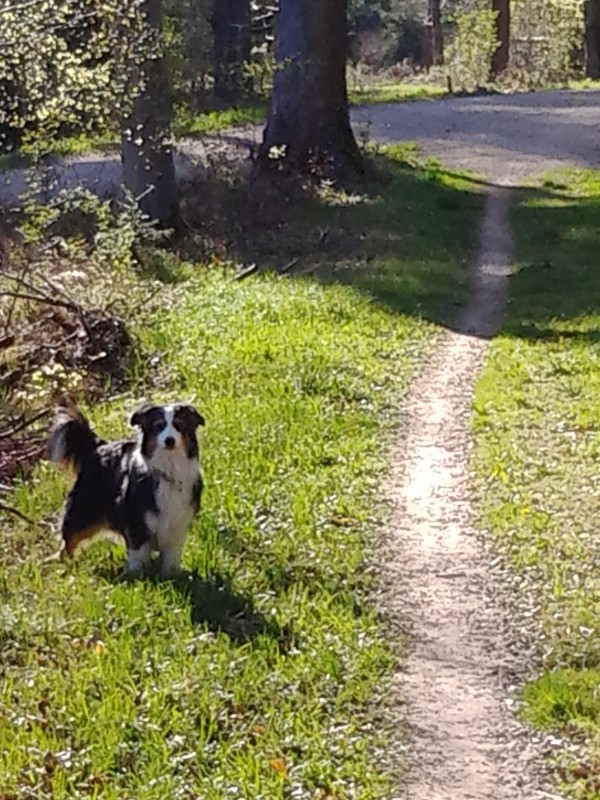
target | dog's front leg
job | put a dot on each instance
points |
(138, 559)
(170, 556)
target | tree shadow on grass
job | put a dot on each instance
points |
(555, 290)
(405, 235)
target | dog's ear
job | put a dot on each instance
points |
(193, 415)
(137, 417)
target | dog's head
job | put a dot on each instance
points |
(169, 427)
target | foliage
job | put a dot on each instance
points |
(547, 41)
(90, 285)
(386, 31)
(473, 43)
(69, 74)
(188, 43)
(75, 78)
(71, 79)
(536, 421)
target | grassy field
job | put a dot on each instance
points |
(537, 423)
(251, 675)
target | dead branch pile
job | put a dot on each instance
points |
(51, 344)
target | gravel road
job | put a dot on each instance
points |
(505, 136)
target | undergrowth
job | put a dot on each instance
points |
(536, 420)
(251, 675)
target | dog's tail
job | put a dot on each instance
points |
(71, 438)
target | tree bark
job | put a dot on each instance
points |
(592, 38)
(309, 121)
(501, 55)
(230, 22)
(148, 168)
(433, 55)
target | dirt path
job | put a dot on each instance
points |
(454, 699)
(462, 742)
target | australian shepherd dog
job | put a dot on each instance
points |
(146, 489)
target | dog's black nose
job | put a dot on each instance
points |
(169, 442)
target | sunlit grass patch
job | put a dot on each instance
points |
(186, 124)
(247, 672)
(394, 92)
(563, 698)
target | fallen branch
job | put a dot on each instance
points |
(6, 509)
(77, 307)
(245, 273)
(20, 280)
(59, 291)
(287, 267)
(24, 424)
(41, 299)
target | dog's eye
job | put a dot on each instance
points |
(158, 426)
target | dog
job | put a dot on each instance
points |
(146, 489)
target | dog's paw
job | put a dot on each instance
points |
(139, 561)
(170, 564)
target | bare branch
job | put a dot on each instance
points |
(6, 509)
(25, 424)
(18, 7)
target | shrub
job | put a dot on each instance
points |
(469, 54)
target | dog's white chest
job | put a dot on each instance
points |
(175, 477)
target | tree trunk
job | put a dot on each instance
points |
(309, 121)
(501, 55)
(230, 22)
(148, 169)
(592, 38)
(433, 51)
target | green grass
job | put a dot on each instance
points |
(584, 83)
(251, 675)
(65, 146)
(537, 424)
(564, 697)
(394, 92)
(215, 121)
(183, 125)
(386, 235)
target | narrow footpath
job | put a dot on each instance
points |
(461, 740)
